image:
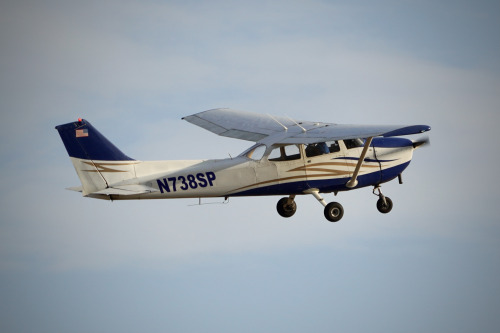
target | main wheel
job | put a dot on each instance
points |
(286, 209)
(386, 207)
(334, 212)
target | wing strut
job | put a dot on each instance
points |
(353, 181)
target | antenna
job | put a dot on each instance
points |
(276, 120)
(226, 201)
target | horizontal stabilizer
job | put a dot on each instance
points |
(127, 190)
(75, 188)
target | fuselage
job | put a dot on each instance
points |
(275, 170)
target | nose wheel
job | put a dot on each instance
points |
(384, 204)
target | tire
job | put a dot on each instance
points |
(334, 212)
(382, 207)
(285, 209)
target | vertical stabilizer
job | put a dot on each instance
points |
(97, 161)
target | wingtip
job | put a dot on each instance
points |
(408, 130)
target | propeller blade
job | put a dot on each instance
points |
(421, 142)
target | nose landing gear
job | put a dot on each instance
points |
(384, 204)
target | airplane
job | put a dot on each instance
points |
(288, 158)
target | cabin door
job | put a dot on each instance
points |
(290, 169)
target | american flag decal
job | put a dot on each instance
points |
(81, 133)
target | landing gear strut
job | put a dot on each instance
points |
(333, 211)
(384, 204)
(286, 207)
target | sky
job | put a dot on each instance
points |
(135, 68)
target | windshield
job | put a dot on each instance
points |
(255, 152)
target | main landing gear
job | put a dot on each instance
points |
(333, 211)
(286, 206)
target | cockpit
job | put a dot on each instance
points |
(277, 153)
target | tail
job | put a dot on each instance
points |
(98, 162)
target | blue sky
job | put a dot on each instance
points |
(135, 68)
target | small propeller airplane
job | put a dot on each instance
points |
(288, 158)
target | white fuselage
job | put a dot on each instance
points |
(242, 175)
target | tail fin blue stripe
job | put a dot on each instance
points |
(83, 141)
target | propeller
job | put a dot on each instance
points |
(421, 142)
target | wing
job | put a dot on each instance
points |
(237, 124)
(282, 130)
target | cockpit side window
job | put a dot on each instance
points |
(333, 146)
(353, 143)
(285, 153)
(321, 148)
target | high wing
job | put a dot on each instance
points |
(269, 129)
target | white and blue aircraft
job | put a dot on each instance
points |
(289, 158)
